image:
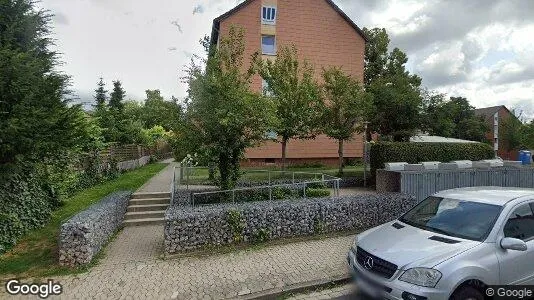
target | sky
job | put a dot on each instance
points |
(478, 49)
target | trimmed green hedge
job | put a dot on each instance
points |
(413, 153)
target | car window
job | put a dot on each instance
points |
(458, 218)
(520, 224)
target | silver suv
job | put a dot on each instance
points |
(452, 245)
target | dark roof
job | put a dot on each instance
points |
(217, 21)
(488, 112)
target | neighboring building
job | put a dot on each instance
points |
(324, 35)
(494, 116)
(437, 139)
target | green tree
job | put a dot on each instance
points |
(36, 120)
(100, 96)
(39, 125)
(295, 93)
(222, 112)
(347, 106)
(397, 97)
(158, 111)
(117, 97)
(528, 135)
(454, 118)
(513, 133)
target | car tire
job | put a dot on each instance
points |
(467, 293)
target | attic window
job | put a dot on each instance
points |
(268, 15)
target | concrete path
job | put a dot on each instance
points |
(161, 182)
(131, 270)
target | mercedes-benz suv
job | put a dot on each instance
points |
(452, 245)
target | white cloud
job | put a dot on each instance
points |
(480, 49)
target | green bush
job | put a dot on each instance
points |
(384, 152)
(256, 195)
(26, 204)
(317, 193)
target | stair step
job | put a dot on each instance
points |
(144, 215)
(151, 195)
(147, 207)
(142, 222)
(147, 201)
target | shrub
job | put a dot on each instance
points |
(262, 194)
(384, 152)
(317, 193)
(26, 204)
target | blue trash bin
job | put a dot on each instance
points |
(525, 157)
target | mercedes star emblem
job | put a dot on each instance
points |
(368, 263)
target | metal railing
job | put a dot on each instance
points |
(269, 192)
(173, 184)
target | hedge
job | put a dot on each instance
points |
(25, 205)
(384, 152)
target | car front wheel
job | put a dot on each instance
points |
(467, 293)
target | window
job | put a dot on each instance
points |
(265, 88)
(268, 44)
(463, 219)
(271, 135)
(268, 15)
(520, 225)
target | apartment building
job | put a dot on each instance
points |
(324, 35)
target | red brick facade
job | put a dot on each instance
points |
(493, 134)
(324, 37)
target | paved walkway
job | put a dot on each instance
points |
(133, 271)
(133, 268)
(161, 182)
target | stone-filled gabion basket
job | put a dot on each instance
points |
(188, 228)
(84, 235)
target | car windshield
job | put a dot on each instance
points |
(457, 218)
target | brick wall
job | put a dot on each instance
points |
(324, 38)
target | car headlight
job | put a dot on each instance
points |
(354, 244)
(421, 276)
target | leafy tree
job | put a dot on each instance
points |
(295, 93)
(157, 111)
(222, 113)
(39, 125)
(376, 54)
(397, 108)
(454, 118)
(100, 95)
(528, 135)
(117, 96)
(396, 92)
(513, 133)
(347, 106)
(36, 120)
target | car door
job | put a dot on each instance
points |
(517, 267)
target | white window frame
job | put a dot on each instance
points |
(274, 45)
(266, 21)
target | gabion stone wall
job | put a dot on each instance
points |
(83, 235)
(189, 228)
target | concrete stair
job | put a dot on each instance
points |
(147, 209)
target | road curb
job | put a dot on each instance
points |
(297, 288)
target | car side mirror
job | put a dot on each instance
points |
(513, 244)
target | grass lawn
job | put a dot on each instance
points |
(35, 254)
(254, 174)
